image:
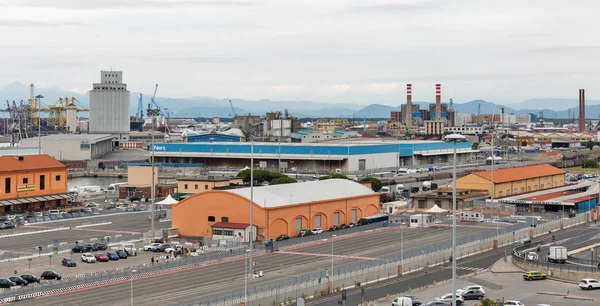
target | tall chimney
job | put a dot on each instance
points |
(438, 102)
(582, 110)
(408, 116)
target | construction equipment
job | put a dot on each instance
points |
(152, 104)
(233, 114)
(57, 113)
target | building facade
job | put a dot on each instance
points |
(278, 209)
(67, 147)
(109, 106)
(32, 183)
(202, 184)
(516, 180)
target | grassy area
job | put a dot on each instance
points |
(579, 170)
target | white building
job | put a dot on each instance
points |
(422, 220)
(465, 130)
(462, 119)
(72, 147)
(109, 106)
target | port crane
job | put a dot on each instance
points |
(233, 114)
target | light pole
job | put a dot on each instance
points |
(152, 113)
(454, 138)
(532, 203)
(331, 278)
(39, 104)
(131, 281)
(251, 238)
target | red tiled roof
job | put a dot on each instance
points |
(29, 162)
(231, 225)
(520, 173)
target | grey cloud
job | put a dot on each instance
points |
(566, 49)
(115, 4)
(394, 8)
(35, 23)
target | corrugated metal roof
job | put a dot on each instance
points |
(305, 192)
(520, 173)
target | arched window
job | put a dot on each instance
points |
(224, 219)
(211, 218)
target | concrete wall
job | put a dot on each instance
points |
(191, 216)
(372, 161)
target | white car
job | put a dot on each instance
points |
(471, 287)
(151, 247)
(513, 303)
(316, 230)
(447, 298)
(533, 256)
(174, 249)
(589, 284)
(88, 257)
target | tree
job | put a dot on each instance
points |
(475, 146)
(282, 180)
(589, 163)
(384, 198)
(523, 143)
(260, 176)
(589, 144)
(375, 183)
(333, 176)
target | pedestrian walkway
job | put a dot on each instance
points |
(505, 265)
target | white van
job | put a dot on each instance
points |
(54, 211)
(402, 301)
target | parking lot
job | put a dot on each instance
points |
(511, 286)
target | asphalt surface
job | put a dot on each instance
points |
(194, 284)
(570, 238)
(121, 224)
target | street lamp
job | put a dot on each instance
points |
(532, 203)
(152, 113)
(39, 105)
(331, 278)
(454, 138)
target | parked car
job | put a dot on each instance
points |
(30, 278)
(101, 257)
(162, 247)
(513, 303)
(51, 275)
(112, 256)
(82, 249)
(69, 262)
(352, 224)
(121, 254)
(149, 247)
(316, 230)
(176, 248)
(438, 303)
(531, 275)
(88, 257)
(18, 281)
(67, 215)
(401, 301)
(6, 283)
(589, 284)
(334, 228)
(305, 232)
(415, 300)
(157, 248)
(99, 247)
(344, 225)
(282, 237)
(471, 287)
(447, 298)
(473, 294)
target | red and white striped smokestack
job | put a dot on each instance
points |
(408, 116)
(438, 102)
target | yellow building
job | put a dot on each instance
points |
(202, 184)
(515, 180)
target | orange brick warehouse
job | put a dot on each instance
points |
(277, 209)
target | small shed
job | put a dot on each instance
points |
(421, 220)
(394, 207)
(474, 215)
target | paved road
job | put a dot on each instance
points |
(193, 284)
(121, 224)
(466, 266)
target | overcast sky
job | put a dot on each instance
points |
(336, 51)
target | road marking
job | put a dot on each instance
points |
(464, 225)
(102, 231)
(327, 255)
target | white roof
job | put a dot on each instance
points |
(168, 201)
(305, 192)
(436, 209)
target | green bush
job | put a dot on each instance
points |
(282, 180)
(589, 163)
(375, 183)
(333, 176)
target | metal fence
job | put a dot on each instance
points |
(351, 273)
(541, 265)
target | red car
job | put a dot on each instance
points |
(101, 257)
(344, 226)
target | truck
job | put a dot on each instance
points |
(557, 254)
(427, 185)
(390, 189)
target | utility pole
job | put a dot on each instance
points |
(39, 122)
(152, 113)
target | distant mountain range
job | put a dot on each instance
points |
(215, 107)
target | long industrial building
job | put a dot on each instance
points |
(315, 157)
(277, 209)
